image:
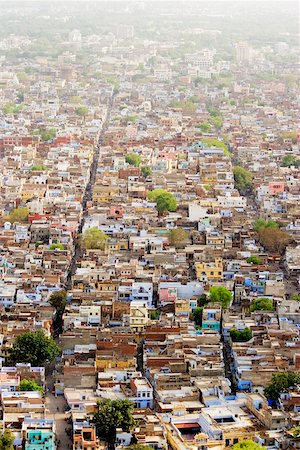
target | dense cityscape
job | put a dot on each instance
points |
(149, 225)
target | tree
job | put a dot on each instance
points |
(274, 240)
(57, 246)
(154, 315)
(290, 160)
(133, 159)
(256, 260)
(202, 300)
(290, 135)
(93, 239)
(139, 447)
(18, 215)
(205, 127)
(110, 415)
(262, 223)
(296, 297)
(197, 315)
(38, 168)
(165, 201)
(262, 304)
(34, 347)
(7, 440)
(146, 171)
(281, 382)
(247, 445)
(178, 237)
(11, 108)
(81, 111)
(221, 295)
(295, 432)
(242, 179)
(240, 336)
(58, 300)
(212, 142)
(30, 385)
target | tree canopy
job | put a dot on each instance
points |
(262, 223)
(281, 382)
(178, 237)
(254, 260)
(205, 127)
(81, 111)
(296, 297)
(220, 294)
(146, 171)
(6, 440)
(57, 246)
(46, 135)
(262, 304)
(34, 347)
(93, 239)
(58, 300)
(247, 445)
(30, 385)
(290, 160)
(133, 159)
(18, 215)
(39, 168)
(240, 336)
(165, 201)
(110, 415)
(242, 179)
(197, 315)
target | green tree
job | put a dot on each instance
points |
(205, 127)
(94, 239)
(262, 223)
(165, 201)
(291, 135)
(133, 159)
(39, 168)
(178, 237)
(6, 440)
(33, 347)
(281, 382)
(296, 297)
(57, 246)
(46, 135)
(242, 179)
(139, 447)
(146, 171)
(81, 111)
(262, 304)
(295, 431)
(11, 108)
(240, 336)
(18, 215)
(110, 415)
(202, 300)
(58, 299)
(154, 315)
(197, 315)
(247, 445)
(290, 160)
(254, 260)
(221, 295)
(30, 385)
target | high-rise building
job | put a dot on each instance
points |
(242, 52)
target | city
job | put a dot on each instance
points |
(149, 225)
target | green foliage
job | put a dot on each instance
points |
(46, 135)
(256, 260)
(93, 239)
(133, 159)
(281, 382)
(11, 108)
(221, 295)
(242, 179)
(247, 445)
(197, 315)
(165, 201)
(205, 127)
(30, 385)
(262, 304)
(296, 297)
(215, 117)
(202, 300)
(213, 142)
(184, 104)
(139, 447)
(75, 100)
(295, 431)
(39, 168)
(290, 160)
(57, 246)
(6, 440)
(240, 336)
(34, 347)
(178, 237)
(146, 171)
(291, 135)
(110, 415)
(81, 111)
(18, 215)
(262, 223)
(154, 315)
(58, 300)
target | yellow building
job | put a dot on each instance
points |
(209, 271)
